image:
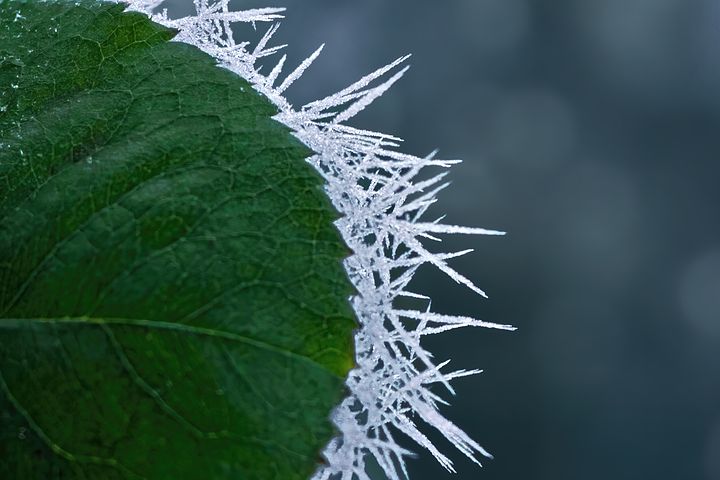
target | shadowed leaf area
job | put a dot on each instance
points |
(172, 299)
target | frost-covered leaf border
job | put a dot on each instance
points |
(374, 187)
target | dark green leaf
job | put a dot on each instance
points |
(172, 299)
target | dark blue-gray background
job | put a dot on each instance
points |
(590, 131)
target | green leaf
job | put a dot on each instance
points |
(172, 299)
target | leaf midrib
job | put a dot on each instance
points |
(177, 327)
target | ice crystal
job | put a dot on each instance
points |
(382, 202)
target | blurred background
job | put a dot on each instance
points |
(591, 133)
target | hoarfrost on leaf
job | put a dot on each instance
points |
(376, 189)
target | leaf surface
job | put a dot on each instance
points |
(172, 299)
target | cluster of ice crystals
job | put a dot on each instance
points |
(375, 188)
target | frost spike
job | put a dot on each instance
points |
(433, 227)
(265, 39)
(331, 100)
(272, 77)
(448, 319)
(257, 15)
(369, 97)
(297, 73)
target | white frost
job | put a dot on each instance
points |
(375, 189)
